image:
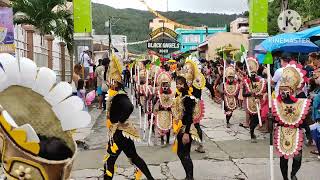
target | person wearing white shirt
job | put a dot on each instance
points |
(85, 61)
(285, 59)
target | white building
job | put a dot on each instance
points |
(119, 43)
(240, 25)
(158, 23)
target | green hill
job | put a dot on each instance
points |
(135, 23)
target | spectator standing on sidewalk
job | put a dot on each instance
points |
(75, 78)
(101, 83)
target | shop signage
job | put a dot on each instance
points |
(163, 45)
(6, 30)
(163, 41)
(165, 30)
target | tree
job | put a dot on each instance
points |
(40, 14)
(308, 9)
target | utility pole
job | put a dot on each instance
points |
(284, 5)
(109, 24)
(110, 41)
(167, 5)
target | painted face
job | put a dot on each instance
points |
(180, 85)
(231, 78)
(113, 85)
(189, 71)
(285, 92)
(165, 86)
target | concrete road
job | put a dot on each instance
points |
(229, 153)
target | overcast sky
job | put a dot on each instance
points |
(201, 6)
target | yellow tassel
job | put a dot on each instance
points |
(112, 92)
(106, 157)
(138, 174)
(178, 92)
(190, 91)
(273, 95)
(114, 148)
(115, 168)
(175, 147)
(109, 173)
(177, 127)
(109, 123)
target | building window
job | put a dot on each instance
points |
(192, 38)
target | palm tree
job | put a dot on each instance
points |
(41, 14)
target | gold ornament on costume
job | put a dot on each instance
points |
(288, 141)
(230, 72)
(163, 77)
(253, 65)
(166, 100)
(200, 81)
(164, 120)
(115, 70)
(256, 87)
(292, 77)
(251, 105)
(231, 89)
(231, 102)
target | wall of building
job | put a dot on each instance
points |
(40, 52)
(240, 25)
(225, 39)
(190, 38)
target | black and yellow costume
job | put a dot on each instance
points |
(121, 131)
(122, 136)
(184, 108)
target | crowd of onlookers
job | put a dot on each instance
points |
(89, 78)
(213, 71)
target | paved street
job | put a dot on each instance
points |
(230, 155)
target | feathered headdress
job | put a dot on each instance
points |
(230, 71)
(253, 65)
(293, 76)
(192, 73)
(162, 77)
(115, 70)
(32, 104)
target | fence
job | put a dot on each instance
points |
(40, 52)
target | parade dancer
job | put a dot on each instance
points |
(150, 96)
(165, 98)
(231, 89)
(196, 81)
(142, 86)
(254, 89)
(37, 117)
(290, 112)
(121, 131)
(183, 112)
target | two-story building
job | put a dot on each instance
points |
(240, 25)
(191, 38)
(158, 23)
